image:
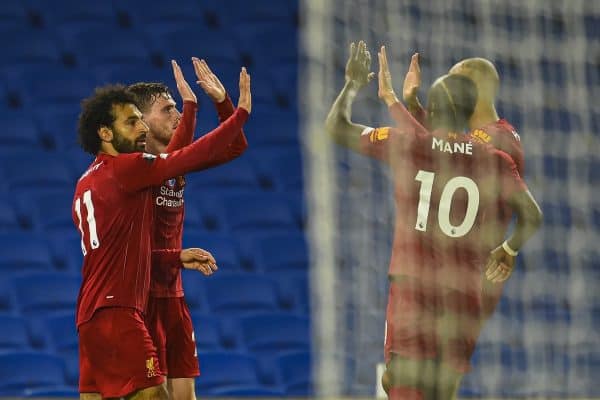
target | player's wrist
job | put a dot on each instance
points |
(509, 250)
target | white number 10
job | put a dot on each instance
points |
(91, 221)
(426, 178)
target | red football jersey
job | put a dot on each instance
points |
(445, 185)
(169, 201)
(113, 210)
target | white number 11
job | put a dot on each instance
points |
(91, 221)
(426, 178)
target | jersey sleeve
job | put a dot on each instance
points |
(140, 170)
(240, 143)
(184, 134)
(166, 258)
(510, 180)
(405, 121)
(510, 143)
(379, 142)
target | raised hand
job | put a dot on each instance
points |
(209, 82)
(198, 259)
(386, 89)
(184, 89)
(412, 80)
(358, 67)
(245, 100)
(499, 265)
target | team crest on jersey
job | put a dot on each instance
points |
(151, 368)
(379, 134)
(171, 182)
(481, 136)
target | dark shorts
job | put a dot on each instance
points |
(432, 322)
(116, 354)
(170, 326)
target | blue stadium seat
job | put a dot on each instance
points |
(239, 293)
(293, 290)
(71, 359)
(195, 292)
(61, 331)
(50, 209)
(65, 247)
(206, 332)
(33, 47)
(22, 251)
(553, 72)
(19, 131)
(32, 170)
(279, 167)
(296, 373)
(223, 369)
(557, 214)
(279, 44)
(53, 391)
(264, 12)
(265, 212)
(552, 26)
(238, 174)
(276, 332)
(222, 247)
(58, 127)
(14, 334)
(592, 26)
(64, 11)
(556, 167)
(43, 292)
(291, 254)
(9, 217)
(79, 160)
(88, 46)
(20, 371)
(13, 14)
(132, 73)
(174, 13)
(247, 391)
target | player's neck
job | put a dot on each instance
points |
(484, 114)
(108, 148)
(153, 146)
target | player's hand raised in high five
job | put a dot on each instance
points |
(184, 89)
(209, 82)
(412, 80)
(358, 67)
(386, 89)
(198, 259)
(245, 100)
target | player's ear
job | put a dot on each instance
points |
(106, 134)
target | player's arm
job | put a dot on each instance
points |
(137, 171)
(184, 134)
(404, 120)
(213, 87)
(339, 123)
(410, 89)
(192, 258)
(510, 143)
(529, 219)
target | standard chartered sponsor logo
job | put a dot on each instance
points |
(170, 197)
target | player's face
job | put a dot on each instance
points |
(129, 130)
(162, 118)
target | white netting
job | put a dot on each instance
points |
(545, 336)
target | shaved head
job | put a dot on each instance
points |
(482, 72)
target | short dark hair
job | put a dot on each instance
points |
(451, 102)
(97, 111)
(146, 93)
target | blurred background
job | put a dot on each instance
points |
(301, 229)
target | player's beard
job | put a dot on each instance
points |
(124, 145)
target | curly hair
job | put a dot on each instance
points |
(97, 111)
(146, 93)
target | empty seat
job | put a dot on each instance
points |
(13, 334)
(9, 218)
(33, 47)
(221, 369)
(61, 331)
(222, 247)
(36, 169)
(49, 209)
(18, 131)
(206, 332)
(28, 370)
(238, 174)
(241, 293)
(195, 292)
(53, 391)
(264, 212)
(276, 332)
(42, 292)
(247, 391)
(64, 11)
(21, 251)
(296, 373)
